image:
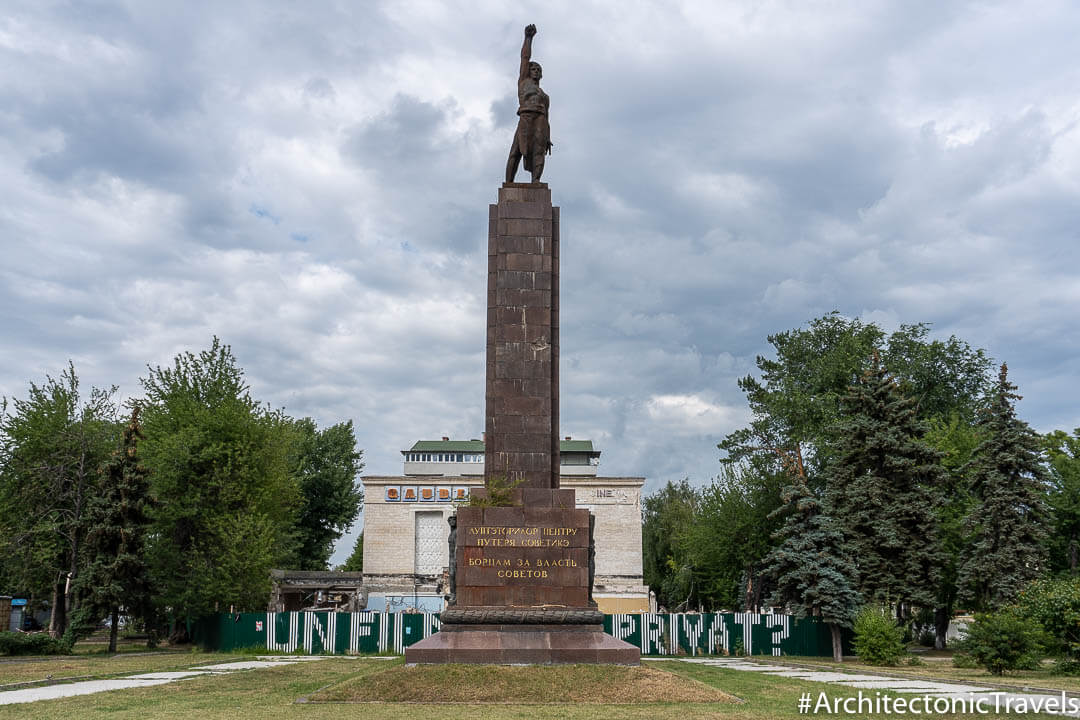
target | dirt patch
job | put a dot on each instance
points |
(600, 684)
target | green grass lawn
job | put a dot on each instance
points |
(274, 692)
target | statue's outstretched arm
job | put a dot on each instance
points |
(526, 52)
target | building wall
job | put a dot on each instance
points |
(390, 535)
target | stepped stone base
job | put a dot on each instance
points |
(522, 645)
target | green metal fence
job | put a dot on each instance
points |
(654, 634)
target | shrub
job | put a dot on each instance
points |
(18, 643)
(915, 661)
(1066, 667)
(1004, 641)
(878, 640)
(965, 661)
(1055, 605)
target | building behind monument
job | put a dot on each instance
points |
(406, 555)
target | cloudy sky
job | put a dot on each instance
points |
(310, 181)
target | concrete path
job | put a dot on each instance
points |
(872, 684)
(86, 687)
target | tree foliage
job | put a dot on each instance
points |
(1008, 520)
(355, 561)
(882, 490)
(327, 466)
(667, 516)
(796, 404)
(1055, 605)
(228, 503)
(51, 445)
(227, 489)
(116, 576)
(1063, 451)
(1004, 641)
(878, 639)
(811, 567)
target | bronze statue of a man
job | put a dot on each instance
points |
(533, 137)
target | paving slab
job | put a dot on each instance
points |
(892, 684)
(244, 665)
(86, 687)
(950, 689)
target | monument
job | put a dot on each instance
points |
(522, 554)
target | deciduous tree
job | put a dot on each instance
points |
(1063, 451)
(222, 473)
(51, 446)
(326, 467)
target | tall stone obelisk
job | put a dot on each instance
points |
(522, 398)
(522, 568)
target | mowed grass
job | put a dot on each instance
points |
(274, 692)
(596, 684)
(941, 668)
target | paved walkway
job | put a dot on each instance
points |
(87, 687)
(989, 696)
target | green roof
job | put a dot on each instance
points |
(584, 446)
(447, 446)
(474, 446)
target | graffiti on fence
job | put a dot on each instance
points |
(654, 633)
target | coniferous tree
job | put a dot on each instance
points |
(355, 563)
(811, 567)
(116, 576)
(1008, 522)
(882, 492)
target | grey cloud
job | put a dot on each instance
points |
(725, 171)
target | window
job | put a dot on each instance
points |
(458, 456)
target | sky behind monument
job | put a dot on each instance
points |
(311, 185)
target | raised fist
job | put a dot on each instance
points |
(530, 30)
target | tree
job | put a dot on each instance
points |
(668, 514)
(327, 466)
(811, 566)
(731, 534)
(221, 468)
(1008, 523)
(355, 563)
(1005, 640)
(51, 446)
(1064, 499)
(882, 490)
(116, 575)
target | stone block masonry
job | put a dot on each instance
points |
(522, 392)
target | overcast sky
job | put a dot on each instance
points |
(310, 181)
